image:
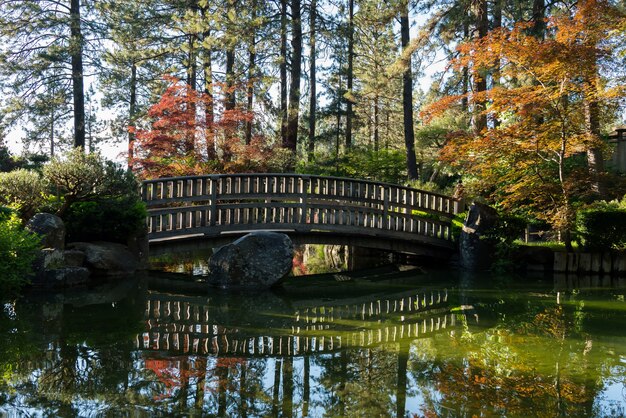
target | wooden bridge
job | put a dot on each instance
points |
(372, 214)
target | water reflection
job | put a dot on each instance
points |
(418, 346)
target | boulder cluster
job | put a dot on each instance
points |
(62, 264)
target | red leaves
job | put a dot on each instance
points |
(187, 136)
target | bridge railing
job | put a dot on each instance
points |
(212, 204)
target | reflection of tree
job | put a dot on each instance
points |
(537, 369)
(360, 382)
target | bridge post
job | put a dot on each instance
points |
(304, 192)
(385, 193)
(213, 192)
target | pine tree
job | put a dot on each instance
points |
(45, 45)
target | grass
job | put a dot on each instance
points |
(553, 245)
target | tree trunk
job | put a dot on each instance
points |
(538, 19)
(407, 97)
(192, 69)
(296, 70)
(78, 91)
(132, 111)
(497, 23)
(376, 123)
(231, 100)
(350, 74)
(306, 384)
(465, 70)
(287, 410)
(251, 73)
(276, 389)
(479, 118)
(207, 68)
(283, 72)
(403, 359)
(595, 160)
(313, 81)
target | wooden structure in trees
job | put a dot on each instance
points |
(214, 205)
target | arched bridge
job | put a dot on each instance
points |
(186, 208)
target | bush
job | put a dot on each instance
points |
(22, 190)
(18, 250)
(113, 219)
(602, 227)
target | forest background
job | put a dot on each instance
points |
(520, 112)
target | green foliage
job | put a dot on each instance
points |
(385, 165)
(88, 177)
(22, 190)
(508, 228)
(105, 220)
(5, 213)
(602, 226)
(505, 232)
(18, 250)
(9, 162)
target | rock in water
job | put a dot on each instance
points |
(107, 258)
(256, 260)
(50, 227)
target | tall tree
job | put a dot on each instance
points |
(296, 72)
(350, 74)
(283, 73)
(407, 93)
(312, 78)
(479, 75)
(44, 44)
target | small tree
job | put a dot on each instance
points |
(82, 177)
(181, 142)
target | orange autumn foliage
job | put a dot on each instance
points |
(530, 159)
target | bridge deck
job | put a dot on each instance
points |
(213, 205)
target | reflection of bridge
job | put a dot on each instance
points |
(186, 208)
(189, 324)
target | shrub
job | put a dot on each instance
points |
(602, 227)
(18, 250)
(113, 219)
(22, 190)
(84, 177)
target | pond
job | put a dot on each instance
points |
(435, 343)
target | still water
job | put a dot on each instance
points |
(434, 344)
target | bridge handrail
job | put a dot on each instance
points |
(212, 203)
(303, 176)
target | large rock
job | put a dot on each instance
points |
(107, 258)
(256, 260)
(477, 254)
(51, 229)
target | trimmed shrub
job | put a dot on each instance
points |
(113, 219)
(602, 227)
(18, 250)
(88, 177)
(23, 190)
